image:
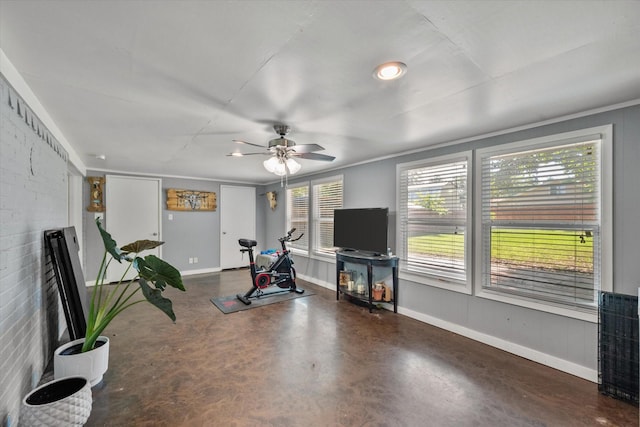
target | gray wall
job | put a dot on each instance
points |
(33, 198)
(190, 234)
(575, 341)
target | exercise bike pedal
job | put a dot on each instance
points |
(244, 299)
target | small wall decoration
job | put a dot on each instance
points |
(96, 199)
(271, 197)
(188, 200)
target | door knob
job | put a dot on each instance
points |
(155, 234)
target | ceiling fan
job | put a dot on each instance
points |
(283, 151)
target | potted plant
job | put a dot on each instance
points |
(88, 356)
(62, 402)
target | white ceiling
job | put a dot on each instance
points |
(163, 87)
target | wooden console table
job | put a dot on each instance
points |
(371, 261)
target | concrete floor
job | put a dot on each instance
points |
(315, 361)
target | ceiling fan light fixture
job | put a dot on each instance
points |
(280, 169)
(293, 166)
(390, 70)
(282, 152)
(270, 164)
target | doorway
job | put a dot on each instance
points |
(237, 221)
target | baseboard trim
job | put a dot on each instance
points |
(517, 349)
(201, 271)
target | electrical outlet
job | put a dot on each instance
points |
(170, 217)
(195, 260)
(190, 260)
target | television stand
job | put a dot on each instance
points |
(371, 261)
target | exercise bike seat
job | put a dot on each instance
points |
(247, 243)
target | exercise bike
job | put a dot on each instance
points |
(281, 272)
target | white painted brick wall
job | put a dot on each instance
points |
(33, 198)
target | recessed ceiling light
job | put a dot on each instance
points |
(237, 154)
(390, 70)
(101, 157)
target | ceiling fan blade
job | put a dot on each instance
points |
(306, 148)
(248, 143)
(314, 156)
(249, 154)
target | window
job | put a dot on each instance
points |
(433, 221)
(298, 216)
(543, 204)
(327, 196)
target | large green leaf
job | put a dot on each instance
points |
(110, 245)
(159, 272)
(154, 296)
(141, 245)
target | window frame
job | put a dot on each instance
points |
(605, 208)
(292, 249)
(314, 213)
(463, 286)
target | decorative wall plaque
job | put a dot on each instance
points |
(188, 200)
(96, 194)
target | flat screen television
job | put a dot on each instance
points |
(361, 229)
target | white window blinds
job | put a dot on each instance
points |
(541, 221)
(327, 196)
(433, 211)
(298, 215)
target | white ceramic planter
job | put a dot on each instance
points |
(62, 402)
(91, 365)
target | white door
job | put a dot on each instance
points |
(237, 221)
(132, 213)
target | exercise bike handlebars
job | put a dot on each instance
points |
(288, 238)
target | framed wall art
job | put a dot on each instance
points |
(190, 200)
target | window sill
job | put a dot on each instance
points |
(586, 314)
(318, 257)
(298, 252)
